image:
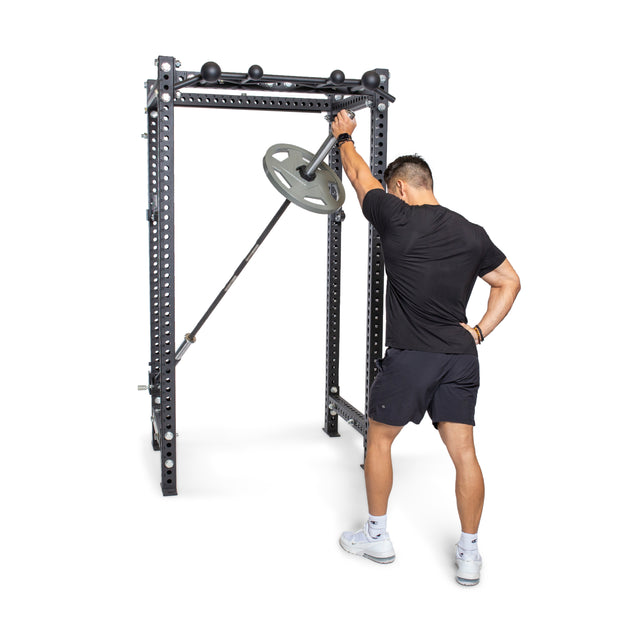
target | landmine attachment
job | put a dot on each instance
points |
(304, 180)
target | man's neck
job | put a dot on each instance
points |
(422, 197)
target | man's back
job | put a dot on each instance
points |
(433, 257)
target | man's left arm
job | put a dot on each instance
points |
(354, 165)
(505, 286)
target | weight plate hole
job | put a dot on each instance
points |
(282, 179)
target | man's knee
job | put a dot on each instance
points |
(379, 434)
(458, 438)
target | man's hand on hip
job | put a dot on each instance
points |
(472, 331)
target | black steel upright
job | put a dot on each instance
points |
(162, 376)
(334, 250)
(211, 88)
(375, 288)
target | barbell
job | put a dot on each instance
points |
(304, 179)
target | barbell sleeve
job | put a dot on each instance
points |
(309, 171)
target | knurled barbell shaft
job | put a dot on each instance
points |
(190, 338)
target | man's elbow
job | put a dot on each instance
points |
(510, 285)
(515, 286)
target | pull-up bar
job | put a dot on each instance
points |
(211, 75)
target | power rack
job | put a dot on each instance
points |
(214, 89)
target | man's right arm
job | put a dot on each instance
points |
(357, 171)
(354, 165)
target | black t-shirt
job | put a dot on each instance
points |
(433, 257)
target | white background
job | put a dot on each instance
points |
(528, 115)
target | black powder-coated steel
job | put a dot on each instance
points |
(173, 88)
(334, 246)
(280, 83)
(160, 120)
(375, 286)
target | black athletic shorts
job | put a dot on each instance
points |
(410, 383)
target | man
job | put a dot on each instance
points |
(433, 257)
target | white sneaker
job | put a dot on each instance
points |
(468, 573)
(361, 544)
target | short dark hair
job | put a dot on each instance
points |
(412, 169)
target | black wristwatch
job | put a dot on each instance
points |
(342, 138)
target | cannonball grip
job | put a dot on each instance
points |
(370, 80)
(210, 71)
(337, 76)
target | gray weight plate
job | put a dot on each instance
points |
(325, 194)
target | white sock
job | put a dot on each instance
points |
(376, 526)
(468, 546)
